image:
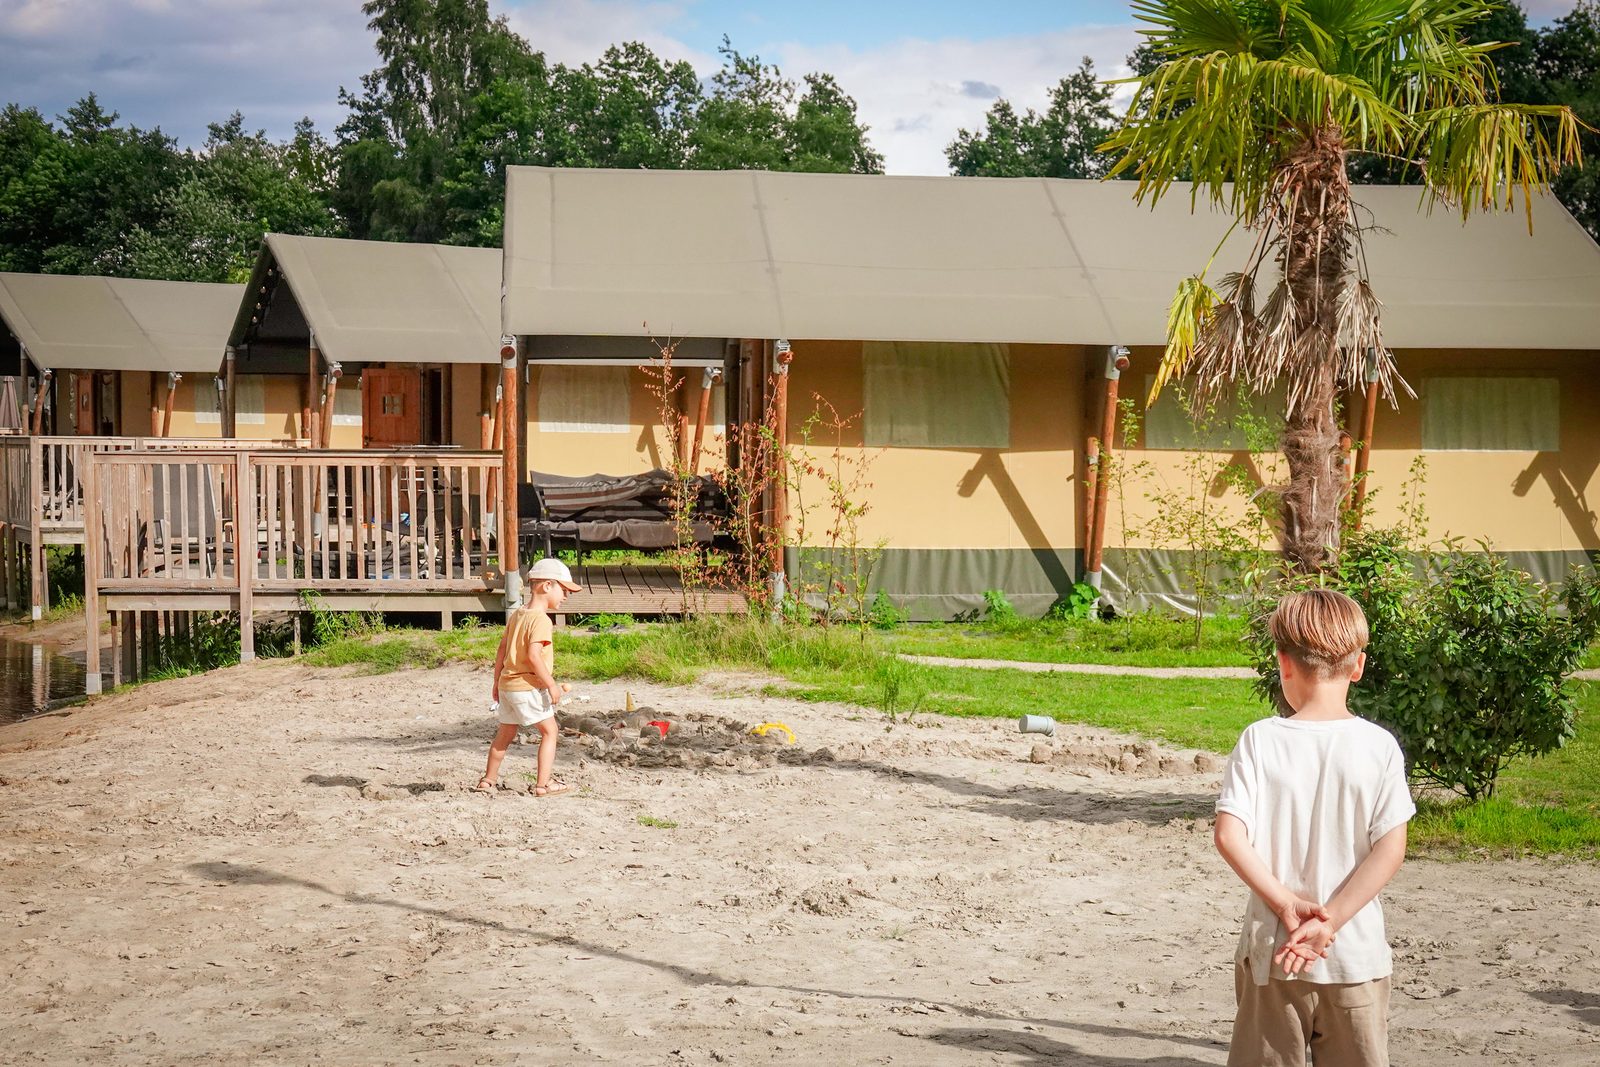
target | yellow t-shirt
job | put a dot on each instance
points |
(529, 633)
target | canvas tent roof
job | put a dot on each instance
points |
(372, 301)
(871, 257)
(93, 323)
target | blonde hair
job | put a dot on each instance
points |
(1320, 629)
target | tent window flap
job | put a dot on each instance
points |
(936, 395)
(583, 399)
(1491, 415)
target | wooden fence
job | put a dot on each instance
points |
(222, 527)
(42, 494)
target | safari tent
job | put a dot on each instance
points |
(974, 324)
(118, 356)
(403, 337)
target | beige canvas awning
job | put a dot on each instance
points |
(871, 257)
(381, 301)
(91, 323)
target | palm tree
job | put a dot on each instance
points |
(1261, 103)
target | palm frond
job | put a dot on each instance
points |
(1479, 156)
(1190, 307)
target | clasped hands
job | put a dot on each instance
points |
(1311, 934)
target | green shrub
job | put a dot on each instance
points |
(884, 614)
(997, 609)
(1079, 603)
(1468, 657)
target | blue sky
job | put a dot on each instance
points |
(919, 71)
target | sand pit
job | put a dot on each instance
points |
(276, 864)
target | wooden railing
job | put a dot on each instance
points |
(357, 521)
(43, 474)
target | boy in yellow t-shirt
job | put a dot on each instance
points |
(524, 676)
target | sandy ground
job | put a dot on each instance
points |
(275, 864)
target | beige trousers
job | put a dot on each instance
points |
(1343, 1025)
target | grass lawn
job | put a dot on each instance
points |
(1147, 640)
(1549, 805)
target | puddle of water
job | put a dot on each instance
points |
(35, 678)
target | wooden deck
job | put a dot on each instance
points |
(644, 591)
(251, 530)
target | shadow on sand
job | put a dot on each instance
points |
(244, 875)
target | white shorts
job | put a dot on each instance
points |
(525, 707)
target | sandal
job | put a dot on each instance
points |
(554, 789)
(485, 786)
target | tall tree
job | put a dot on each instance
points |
(70, 196)
(1264, 102)
(754, 118)
(402, 130)
(1061, 143)
(1568, 67)
(240, 187)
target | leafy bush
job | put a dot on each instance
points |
(1468, 657)
(884, 614)
(997, 609)
(1079, 603)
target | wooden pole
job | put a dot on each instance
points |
(335, 372)
(308, 428)
(1091, 476)
(244, 554)
(155, 404)
(230, 402)
(38, 575)
(709, 379)
(93, 522)
(173, 378)
(1116, 363)
(1358, 496)
(509, 526)
(783, 356)
(45, 377)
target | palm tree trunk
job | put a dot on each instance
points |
(1314, 199)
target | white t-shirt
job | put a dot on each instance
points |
(1314, 798)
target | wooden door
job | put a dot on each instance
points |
(83, 405)
(391, 408)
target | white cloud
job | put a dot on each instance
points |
(181, 66)
(915, 94)
(578, 31)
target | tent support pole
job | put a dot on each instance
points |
(509, 526)
(783, 355)
(173, 378)
(707, 381)
(1116, 363)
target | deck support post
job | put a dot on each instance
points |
(116, 649)
(244, 555)
(39, 397)
(1116, 363)
(509, 526)
(155, 403)
(783, 355)
(1369, 412)
(38, 576)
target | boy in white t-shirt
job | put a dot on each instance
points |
(1313, 817)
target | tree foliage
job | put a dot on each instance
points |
(1064, 142)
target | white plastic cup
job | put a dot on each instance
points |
(1036, 724)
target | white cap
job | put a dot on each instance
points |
(550, 569)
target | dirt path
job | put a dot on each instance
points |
(274, 864)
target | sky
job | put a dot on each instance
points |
(919, 71)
